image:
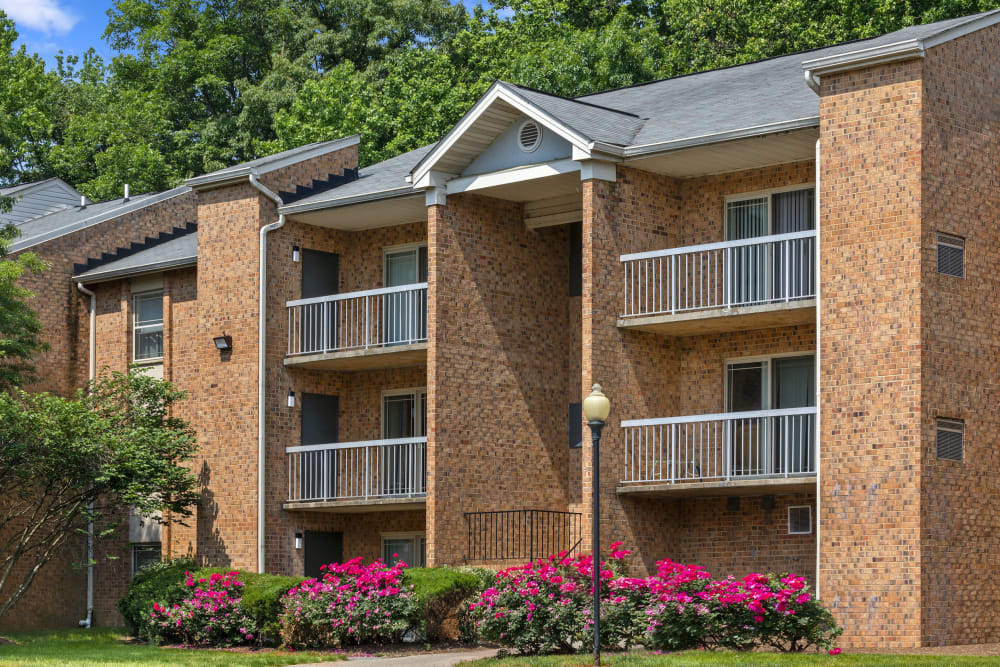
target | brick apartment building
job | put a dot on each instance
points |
(783, 274)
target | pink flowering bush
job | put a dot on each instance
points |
(545, 606)
(351, 603)
(210, 616)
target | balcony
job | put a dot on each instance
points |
(379, 328)
(756, 283)
(737, 453)
(366, 476)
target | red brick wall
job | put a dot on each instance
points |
(870, 438)
(960, 502)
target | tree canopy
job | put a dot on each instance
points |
(196, 85)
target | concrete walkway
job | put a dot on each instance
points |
(419, 660)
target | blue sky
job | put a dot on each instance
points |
(46, 26)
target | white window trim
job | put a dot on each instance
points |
(759, 194)
(415, 392)
(149, 361)
(410, 535)
(770, 370)
(798, 507)
(395, 250)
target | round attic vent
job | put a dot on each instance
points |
(529, 136)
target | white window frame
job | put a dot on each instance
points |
(760, 194)
(136, 327)
(769, 380)
(396, 250)
(417, 393)
(799, 507)
(416, 536)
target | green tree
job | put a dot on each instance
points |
(67, 461)
(20, 329)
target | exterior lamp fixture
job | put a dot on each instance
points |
(298, 540)
(295, 253)
(223, 342)
(596, 408)
(291, 398)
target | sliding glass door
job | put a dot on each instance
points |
(404, 467)
(405, 313)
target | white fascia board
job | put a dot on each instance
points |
(152, 267)
(985, 21)
(648, 150)
(304, 207)
(510, 176)
(238, 173)
(498, 91)
(876, 55)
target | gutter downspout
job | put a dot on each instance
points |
(813, 82)
(819, 351)
(262, 363)
(92, 368)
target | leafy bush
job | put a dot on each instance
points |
(441, 596)
(262, 595)
(351, 604)
(157, 582)
(211, 616)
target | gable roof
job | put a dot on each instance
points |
(173, 254)
(268, 163)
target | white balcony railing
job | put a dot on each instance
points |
(721, 447)
(768, 269)
(358, 320)
(365, 470)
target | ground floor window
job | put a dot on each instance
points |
(409, 548)
(145, 554)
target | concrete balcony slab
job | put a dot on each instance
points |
(721, 320)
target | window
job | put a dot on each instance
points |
(951, 255)
(950, 439)
(779, 212)
(404, 466)
(148, 326)
(409, 548)
(143, 555)
(405, 313)
(800, 520)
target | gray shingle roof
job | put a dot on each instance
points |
(69, 220)
(596, 122)
(764, 92)
(12, 189)
(182, 251)
(387, 177)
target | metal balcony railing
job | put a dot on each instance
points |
(358, 320)
(758, 271)
(365, 470)
(721, 447)
(521, 535)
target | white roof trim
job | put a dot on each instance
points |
(129, 207)
(647, 150)
(497, 91)
(90, 278)
(510, 176)
(238, 173)
(877, 55)
(393, 193)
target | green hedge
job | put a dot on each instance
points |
(442, 594)
(164, 583)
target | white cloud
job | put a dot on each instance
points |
(43, 15)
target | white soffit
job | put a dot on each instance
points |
(735, 155)
(368, 215)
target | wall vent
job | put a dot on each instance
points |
(529, 136)
(800, 520)
(950, 439)
(951, 255)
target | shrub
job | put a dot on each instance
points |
(441, 596)
(262, 595)
(158, 582)
(351, 604)
(211, 616)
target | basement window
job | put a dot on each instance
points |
(409, 548)
(147, 308)
(800, 520)
(951, 255)
(950, 439)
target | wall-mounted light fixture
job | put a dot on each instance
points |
(291, 398)
(298, 540)
(223, 342)
(295, 253)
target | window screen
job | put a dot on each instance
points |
(148, 325)
(950, 439)
(951, 255)
(800, 520)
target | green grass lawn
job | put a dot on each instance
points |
(698, 658)
(103, 646)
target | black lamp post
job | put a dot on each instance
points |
(596, 408)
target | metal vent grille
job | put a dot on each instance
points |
(529, 136)
(800, 520)
(950, 439)
(951, 255)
